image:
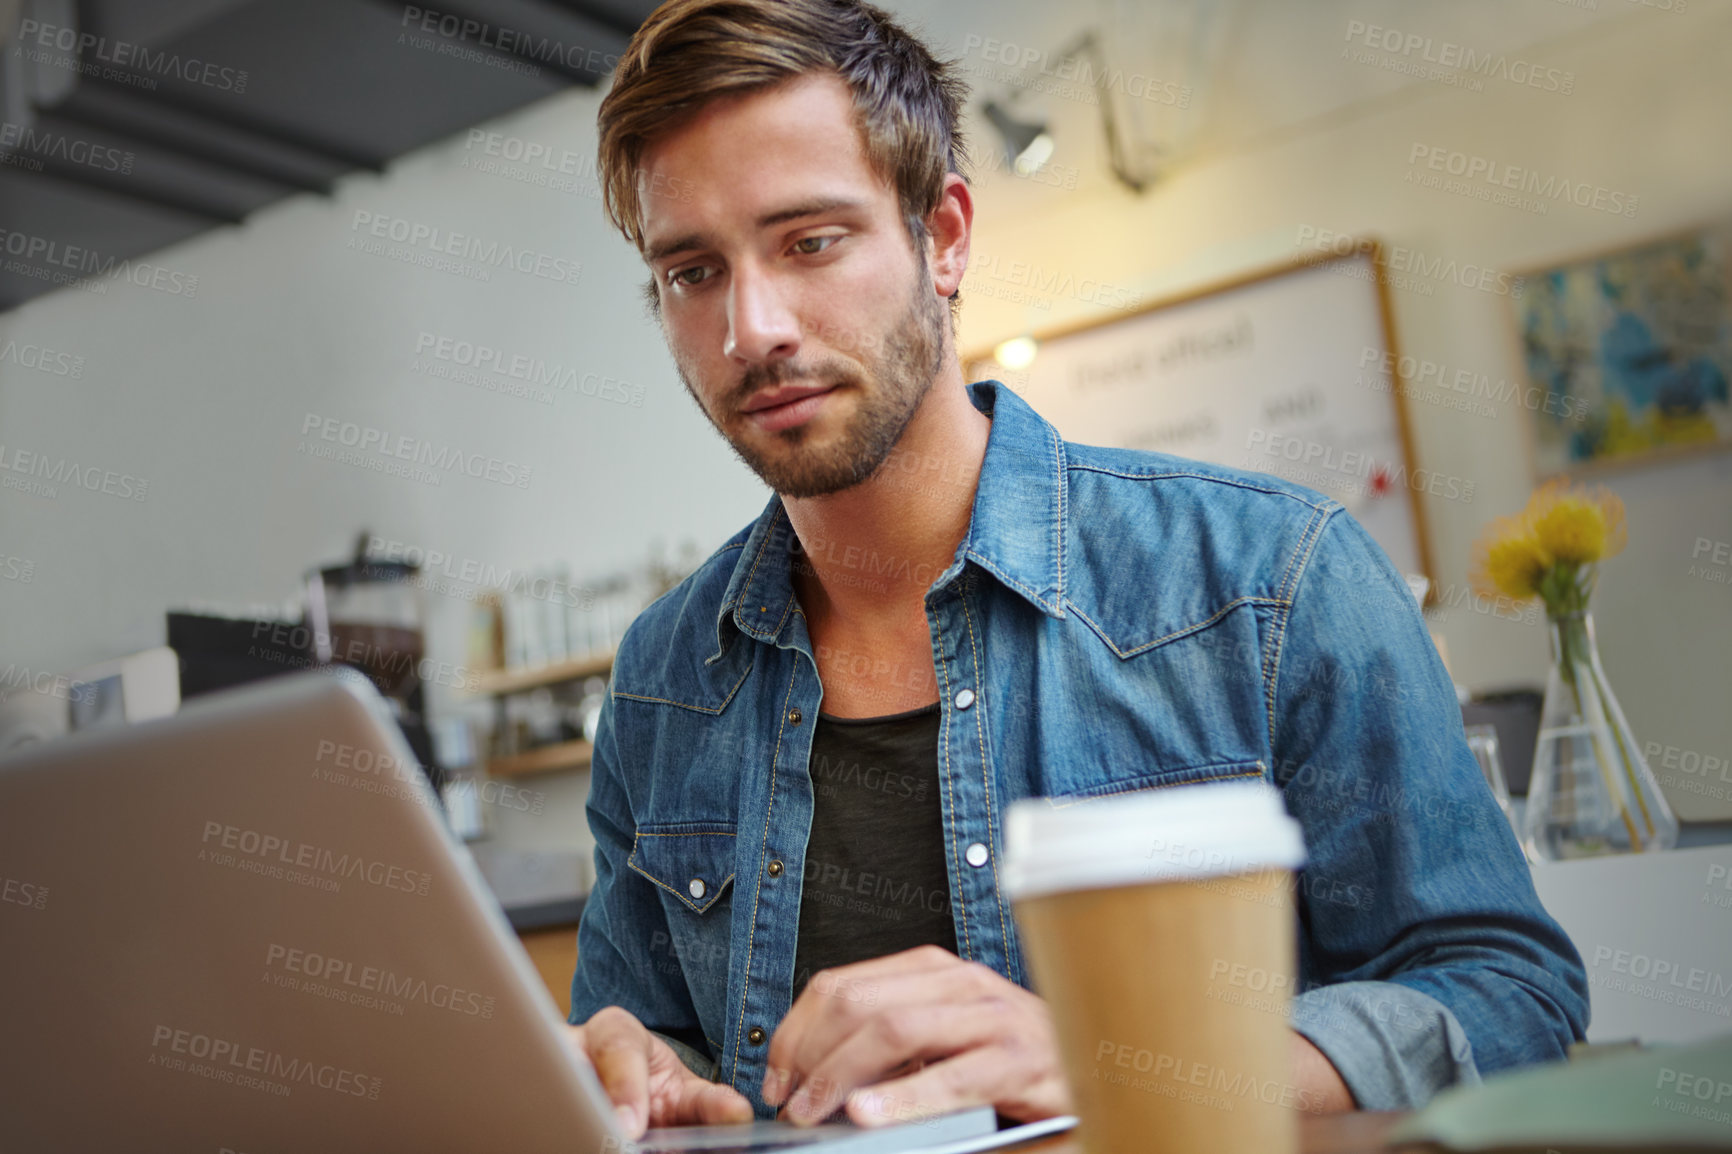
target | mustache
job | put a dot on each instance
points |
(760, 377)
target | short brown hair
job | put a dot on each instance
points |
(907, 103)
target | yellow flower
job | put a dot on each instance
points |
(1551, 548)
(1576, 526)
(1508, 559)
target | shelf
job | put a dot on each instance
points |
(495, 682)
(566, 755)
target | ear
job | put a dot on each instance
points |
(949, 226)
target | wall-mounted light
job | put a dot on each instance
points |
(1027, 143)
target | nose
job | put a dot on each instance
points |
(761, 326)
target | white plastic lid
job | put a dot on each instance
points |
(1182, 833)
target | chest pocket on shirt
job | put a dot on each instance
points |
(1207, 774)
(693, 861)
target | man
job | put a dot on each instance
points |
(802, 769)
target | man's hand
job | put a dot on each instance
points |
(647, 1082)
(914, 1034)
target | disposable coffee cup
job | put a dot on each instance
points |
(1159, 926)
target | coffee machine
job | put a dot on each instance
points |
(370, 614)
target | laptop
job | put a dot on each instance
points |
(246, 928)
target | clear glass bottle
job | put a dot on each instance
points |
(1482, 740)
(1591, 791)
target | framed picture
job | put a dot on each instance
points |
(1290, 370)
(1636, 347)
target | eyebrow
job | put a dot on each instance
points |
(817, 207)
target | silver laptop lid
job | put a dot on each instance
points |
(246, 927)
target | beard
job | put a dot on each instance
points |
(891, 386)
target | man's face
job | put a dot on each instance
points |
(800, 316)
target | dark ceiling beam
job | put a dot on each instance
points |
(613, 22)
(179, 145)
(325, 149)
(468, 11)
(128, 189)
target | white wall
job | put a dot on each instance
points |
(205, 398)
(1649, 115)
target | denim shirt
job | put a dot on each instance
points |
(1113, 620)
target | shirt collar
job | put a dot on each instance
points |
(1016, 530)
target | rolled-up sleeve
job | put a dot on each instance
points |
(1426, 956)
(1394, 1046)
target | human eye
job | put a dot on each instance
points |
(691, 276)
(813, 245)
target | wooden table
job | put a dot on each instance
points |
(1361, 1133)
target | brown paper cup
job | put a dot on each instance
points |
(1160, 931)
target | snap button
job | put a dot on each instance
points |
(976, 855)
(697, 888)
(793, 717)
(755, 1035)
(774, 869)
(964, 698)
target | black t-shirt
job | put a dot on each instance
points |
(875, 880)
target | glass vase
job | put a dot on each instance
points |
(1591, 791)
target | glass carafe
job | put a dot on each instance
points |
(369, 614)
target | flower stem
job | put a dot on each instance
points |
(1575, 657)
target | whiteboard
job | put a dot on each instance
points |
(1288, 371)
